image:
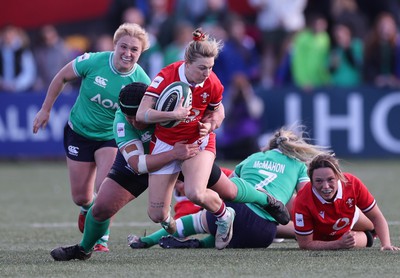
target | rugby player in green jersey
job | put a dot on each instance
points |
(88, 136)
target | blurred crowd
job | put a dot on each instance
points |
(267, 43)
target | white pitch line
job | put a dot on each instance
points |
(114, 224)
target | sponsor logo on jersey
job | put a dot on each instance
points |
(121, 129)
(72, 150)
(83, 57)
(193, 116)
(102, 82)
(156, 82)
(322, 214)
(106, 103)
(299, 219)
(146, 137)
(341, 223)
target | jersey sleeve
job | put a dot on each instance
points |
(218, 90)
(165, 77)
(83, 64)
(303, 176)
(123, 131)
(302, 215)
(365, 200)
(238, 169)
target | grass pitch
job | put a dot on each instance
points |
(37, 214)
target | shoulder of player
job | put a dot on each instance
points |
(89, 59)
(160, 82)
(95, 55)
(171, 68)
(213, 85)
(352, 179)
(305, 192)
(214, 80)
(119, 117)
(142, 71)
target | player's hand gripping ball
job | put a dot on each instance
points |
(170, 97)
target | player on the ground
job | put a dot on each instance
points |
(326, 211)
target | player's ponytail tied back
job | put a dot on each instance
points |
(198, 35)
(202, 46)
(281, 139)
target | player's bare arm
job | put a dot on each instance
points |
(214, 117)
(147, 114)
(65, 75)
(142, 163)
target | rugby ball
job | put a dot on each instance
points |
(170, 97)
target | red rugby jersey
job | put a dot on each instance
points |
(207, 95)
(325, 220)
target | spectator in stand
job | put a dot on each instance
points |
(243, 107)
(346, 57)
(118, 7)
(115, 13)
(382, 53)
(244, 8)
(133, 15)
(348, 12)
(216, 12)
(103, 42)
(372, 8)
(151, 60)
(244, 110)
(310, 53)
(77, 43)
(201, 13)
(17, 64)
(241, 46)
(175, 51)
(277, 20)
(283, 74)
(160, 22)
(51, 54)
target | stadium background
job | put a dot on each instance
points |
(359, 122)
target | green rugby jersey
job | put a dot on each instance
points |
(124, 132)
(273, 171)
(92, 115)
